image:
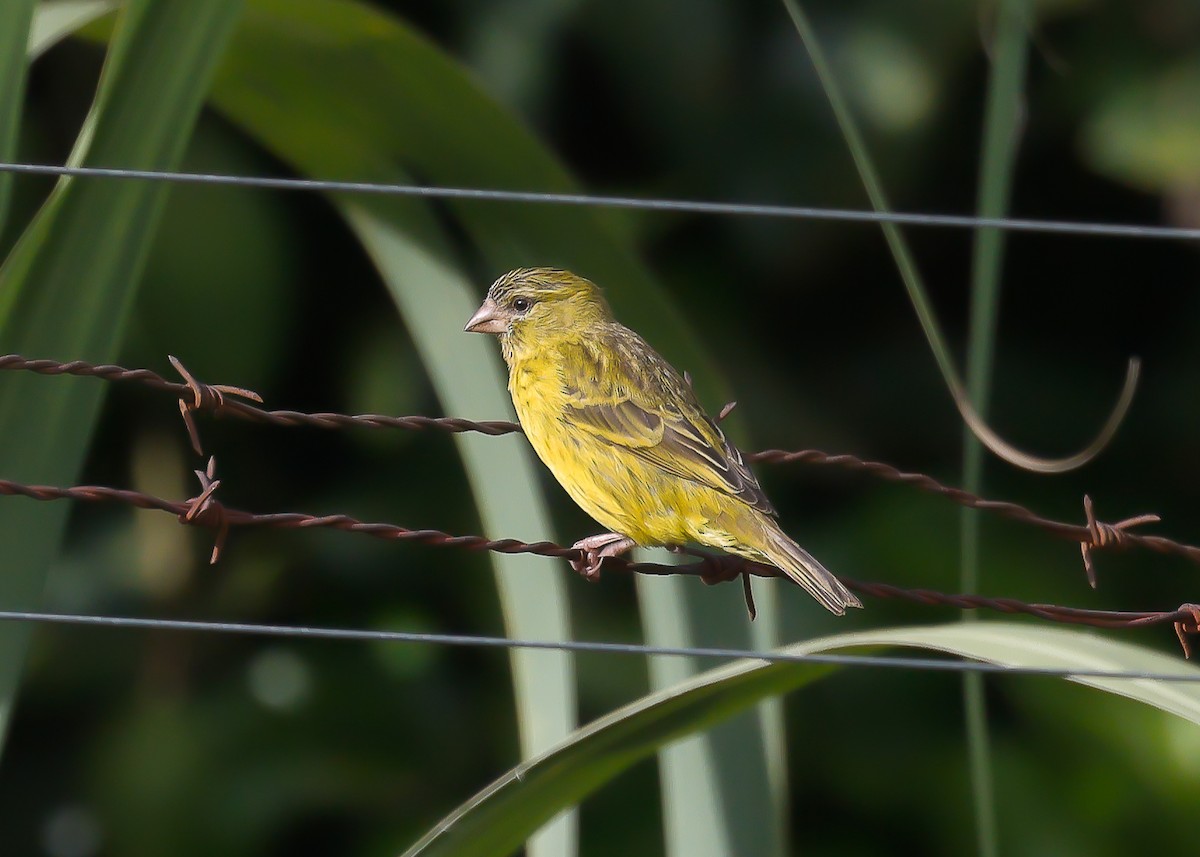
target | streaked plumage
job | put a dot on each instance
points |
(623, 433)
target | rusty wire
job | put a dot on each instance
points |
(220, 399)
(1091, 535)
(206, 511)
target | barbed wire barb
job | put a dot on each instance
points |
(1081, 534)
(209, 397)
(206, 510)
(1189, 623)
(1106, 535)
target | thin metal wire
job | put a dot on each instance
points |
(360, 635)
(740, 209)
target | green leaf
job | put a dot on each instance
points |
(286, 82)
(435, 299)
(54, 21)
(494, 822)
(905, 263)
(1001, 134)
(15, 19)
(717, 796)
(66, 287)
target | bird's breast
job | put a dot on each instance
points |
(624, 492)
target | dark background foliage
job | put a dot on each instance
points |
(140, 743)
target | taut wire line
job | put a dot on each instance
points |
(736, 209)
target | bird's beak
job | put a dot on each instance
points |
(489, 318)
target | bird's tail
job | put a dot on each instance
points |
(800, 566)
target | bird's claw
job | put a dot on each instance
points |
(595, 549)
(588, 565)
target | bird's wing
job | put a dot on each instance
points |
(622, 392)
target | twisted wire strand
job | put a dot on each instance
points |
(196, 396)
(1094, 534)
(204, 510)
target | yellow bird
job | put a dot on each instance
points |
(623, 433)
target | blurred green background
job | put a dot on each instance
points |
(132, 743)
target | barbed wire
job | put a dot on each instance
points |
(222, 399)
(1091, 535)
(363, 635)
(793, 212)
(206, 510)
(219, 399)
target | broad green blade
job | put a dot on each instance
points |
(66, 287)
(716, 800)
(435, 299)
(56, 19)
(495, 821)
(1001, 133)
(286, 83)
(15, 19)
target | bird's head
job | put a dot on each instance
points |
(532, 307)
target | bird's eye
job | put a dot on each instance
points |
(522, 304)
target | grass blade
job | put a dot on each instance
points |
(290, 69)
(54, 21)
(915, 287)
(274, 86)
(720, 792)
(434, 297)
(1000, 137)
(15, 19)
(66, 287)
(494, 822)
(870, 178)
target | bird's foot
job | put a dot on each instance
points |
(595, 549)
